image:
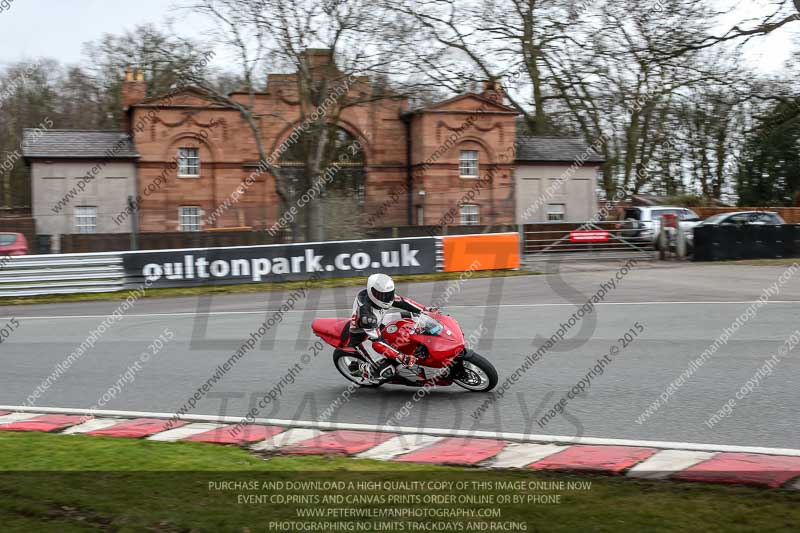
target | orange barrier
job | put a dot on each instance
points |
(488, 251)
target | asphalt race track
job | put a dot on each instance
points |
(681, 308)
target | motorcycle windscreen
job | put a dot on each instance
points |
(428, 326)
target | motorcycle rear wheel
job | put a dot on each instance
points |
(475, 373)
(350, 365)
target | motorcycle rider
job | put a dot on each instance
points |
(369, 308)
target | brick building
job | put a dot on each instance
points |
(195, 163)
(194, 154)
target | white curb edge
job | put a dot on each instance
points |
(512, 437)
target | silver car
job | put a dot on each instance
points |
(743, 218)
(645, 222)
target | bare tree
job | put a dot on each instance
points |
(781, 13)
(459, 44)
(166, 60)
(712, 123)
(592, 68)
(330, 47)
(617, 83)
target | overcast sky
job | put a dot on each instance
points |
(58, 28)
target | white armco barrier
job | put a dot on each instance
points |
(31, 275)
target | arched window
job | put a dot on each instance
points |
(339, 188)
(345, 159)
(343, 141)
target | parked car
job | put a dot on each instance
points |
(13, 244)
(645, 222)
(743, 218)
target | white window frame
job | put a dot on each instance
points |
(470, 216)
(189, 222)
(85, 219)
(187, 163)
(468, 164)
(561, 213)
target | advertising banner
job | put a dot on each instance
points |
(589, 236)
(283, 262)
(488, 251)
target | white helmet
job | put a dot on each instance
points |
(380, 289)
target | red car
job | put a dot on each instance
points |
(13, 244)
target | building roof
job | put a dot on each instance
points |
(77, 144)
(563, 149)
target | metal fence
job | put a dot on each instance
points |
(82, 243)
(32, 275)
(560, 241)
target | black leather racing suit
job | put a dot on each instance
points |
(367, 315)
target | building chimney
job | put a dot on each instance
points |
(493, 90)
(134, 88)
(318, 59)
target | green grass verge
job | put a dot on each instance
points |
(79, 483)
(785, 261)
(252, 287)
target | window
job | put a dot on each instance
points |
(688, 215)
(470, 215)
(633, 213)
(86, 219)
(762, 218)
(468, 164)
(715, 219)
(556, 212)
(188, 161)
(741, 218)
(656, 214)
(361, 193)
(189, 218)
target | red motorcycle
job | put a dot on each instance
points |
(434, 339)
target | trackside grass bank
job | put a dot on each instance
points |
(785, 261)
(78, 483)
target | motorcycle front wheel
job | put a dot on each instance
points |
(351, 366)
(474, 373)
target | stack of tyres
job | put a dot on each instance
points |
(759, 242)
(784, 240)
(728, 243)
(748, 241)
(791, 244)
(703, 243)
(772, 241)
